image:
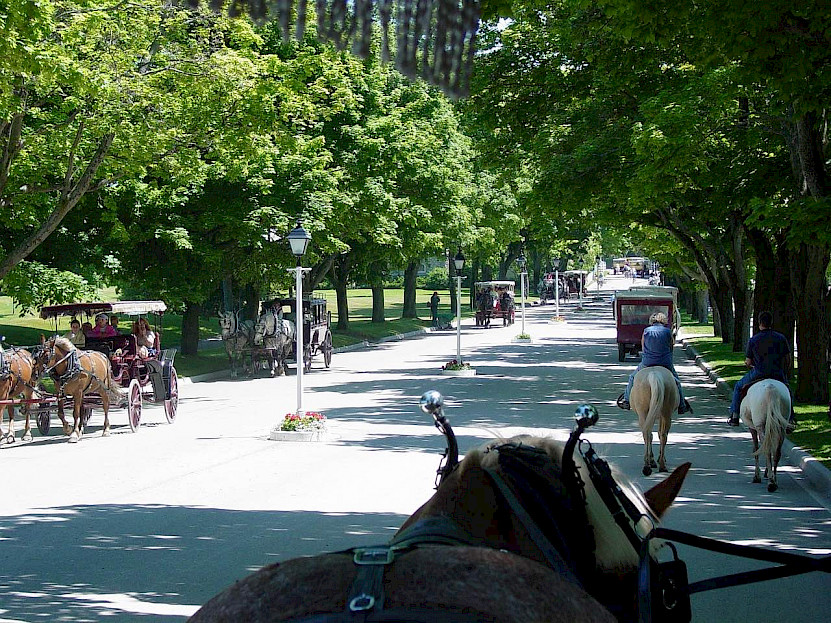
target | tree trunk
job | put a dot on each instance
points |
(808, 265)
(378, 303)
(251, 302)
(340, 279)
(410, 274)
(227, 294)
(717, 332)
(190, 328)
(702, 305)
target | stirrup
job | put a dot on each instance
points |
(623, 404)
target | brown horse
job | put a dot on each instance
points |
(469, 554)
(17, 378)
(654, 398)
(77, 373)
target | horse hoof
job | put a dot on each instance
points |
(772, 486)
(653, 464)
(27, 437)
(106, 433)
(74, 438)
(756, 480)
(647, 470)
(663, 469)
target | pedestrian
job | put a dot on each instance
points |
(434, 308)
(768, 356)
(657, 344)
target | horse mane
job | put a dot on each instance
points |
(63, 343)
(612, 551)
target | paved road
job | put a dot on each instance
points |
(154, 523)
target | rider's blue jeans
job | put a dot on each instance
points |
(641, 367)
(746, 380)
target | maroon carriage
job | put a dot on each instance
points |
(145, 370)
(632, 310)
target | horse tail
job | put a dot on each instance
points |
(656, 401)
(772, 405)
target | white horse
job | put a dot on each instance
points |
(654, 398)
(237, 337)
(274, 336)
(765, 410)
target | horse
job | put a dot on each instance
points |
(275, 335)
(507, 306)
(765, 411)
(77, 373)
(473, 551)
(654, 398)
(17, 377)
(236, 337)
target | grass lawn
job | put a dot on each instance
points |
(813, 432)
(28, 329)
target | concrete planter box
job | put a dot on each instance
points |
(466, 372)
(522, 340)
(296, 435)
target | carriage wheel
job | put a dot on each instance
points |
(621, 352)
(327, 350)
(44, 420)
(134, 405)
(172, 403)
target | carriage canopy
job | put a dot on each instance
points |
(127, 308)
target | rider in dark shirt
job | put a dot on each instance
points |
(768, 356)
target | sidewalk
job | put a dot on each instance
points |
(818, 475)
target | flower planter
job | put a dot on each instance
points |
(463, 372)
(521, 340)
(296, 435)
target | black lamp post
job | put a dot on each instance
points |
(459, 263)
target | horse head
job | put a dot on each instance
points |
(537, 498)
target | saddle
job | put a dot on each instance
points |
(744, 390)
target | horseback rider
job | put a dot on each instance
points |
(656, 350)
(768, 356)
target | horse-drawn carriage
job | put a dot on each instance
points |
(549, 288)
(317, 327)
(93, 376)
(632, 310)
(494, 299)
(575, 280)
(270, 342)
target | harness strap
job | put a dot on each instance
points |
(552, 556)
(791, 563)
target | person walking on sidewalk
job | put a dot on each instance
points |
(768, 356)
(434, 308)
(657, 344)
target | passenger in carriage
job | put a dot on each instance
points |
(657, 343)
(114, 324)
(145, 338)
(102, 327)
(76, 335)
(86, 328)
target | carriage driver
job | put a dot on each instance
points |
(656, 350)
(768, 356)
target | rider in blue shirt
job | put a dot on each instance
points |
(657, 343)
(768, 356)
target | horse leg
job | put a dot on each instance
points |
(105, 403)
(75, 435)
(663, 434)
(67, 430)
(648, 460)
(9, 436)
(757, 476)
(27, 430)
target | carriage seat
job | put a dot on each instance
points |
(109, 345)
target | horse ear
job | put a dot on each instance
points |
(661, 496)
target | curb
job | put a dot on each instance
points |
(815, 472)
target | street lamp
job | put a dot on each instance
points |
(299, 240)
(459, 263)
(597, 272)
(521, 262)
(556, 261)
(580, 281)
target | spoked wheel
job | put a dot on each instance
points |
(172, 403)
(134, 405)
(327, 350)
(44, 420)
